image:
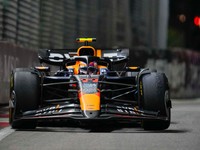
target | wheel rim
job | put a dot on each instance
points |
(167, 99)
(11, 106)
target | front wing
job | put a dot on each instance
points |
(108, 112)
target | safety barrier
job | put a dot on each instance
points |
(12, 56)
(180, 65)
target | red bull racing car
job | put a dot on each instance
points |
(86, 87)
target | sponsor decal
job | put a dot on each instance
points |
(49, 110)
(89, 86)
(127, 110)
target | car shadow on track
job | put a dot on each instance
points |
(101, 128)
(104, 130)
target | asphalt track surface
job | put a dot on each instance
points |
(183, 134)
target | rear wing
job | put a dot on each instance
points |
(116, 55)
(55, 56)
(59, 56)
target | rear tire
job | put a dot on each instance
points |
(156, 98)
(25, 94)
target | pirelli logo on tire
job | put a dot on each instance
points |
(11, 81)
(141, 88)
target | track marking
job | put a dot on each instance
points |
(5, 132)
(4, 115)
(4, 120)
(4, 124)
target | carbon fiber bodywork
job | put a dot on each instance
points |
(118, 102)
(88, 88)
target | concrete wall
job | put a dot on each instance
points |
(12, 56)
(181, 67)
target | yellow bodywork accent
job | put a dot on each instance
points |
(82, 40)
(90, 101)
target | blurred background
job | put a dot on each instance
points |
(161, 34)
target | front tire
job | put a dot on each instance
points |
(25, 91)
(156, 98)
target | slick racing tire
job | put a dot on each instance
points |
(156, 98)
(25, 91)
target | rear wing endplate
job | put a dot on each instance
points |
(116, 55)
(55, 56)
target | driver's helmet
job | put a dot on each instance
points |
(93, 67)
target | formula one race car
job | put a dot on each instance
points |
(86, 87)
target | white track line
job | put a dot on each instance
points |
(5, 132)
(3, 119)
